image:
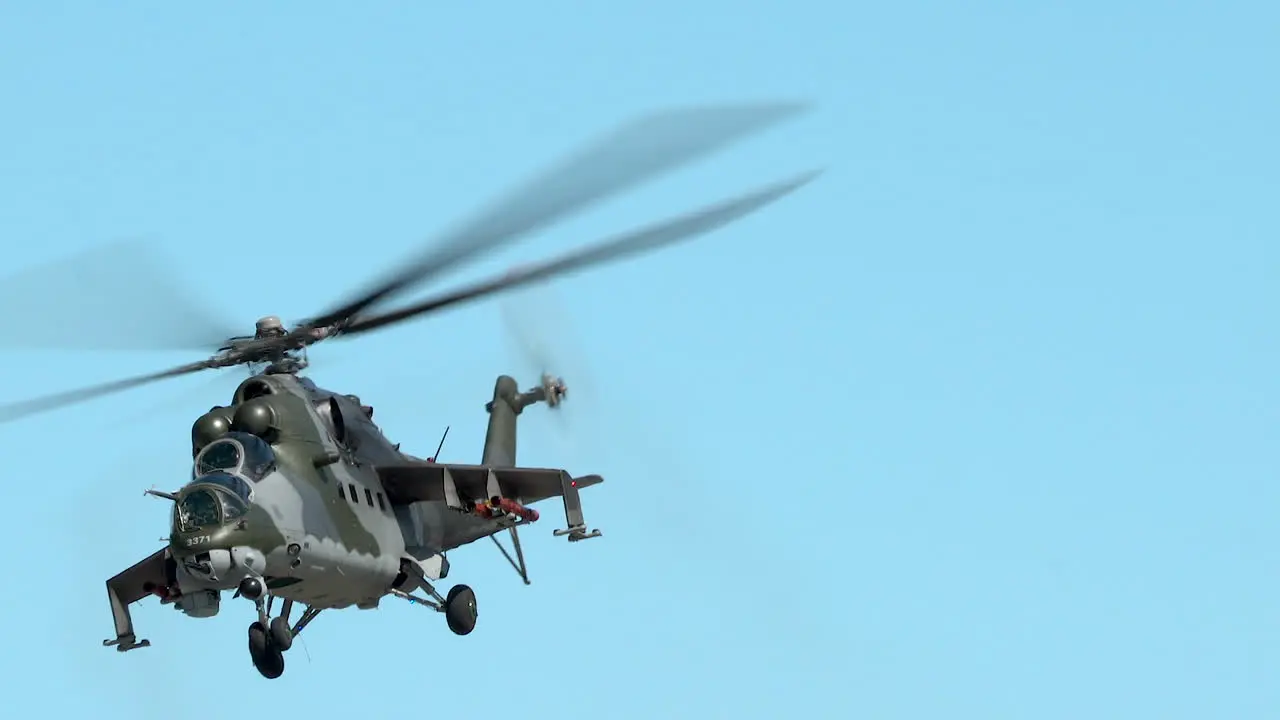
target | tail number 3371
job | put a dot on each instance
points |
(196, 540)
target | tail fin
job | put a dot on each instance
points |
(507, 403)
(500, 437)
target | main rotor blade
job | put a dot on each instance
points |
(631, 154)
(15, 411)
(650, 238)
(114, 297)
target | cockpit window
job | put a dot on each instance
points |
(237, 452)
(228, 499)
(200, 509)
(220, 455)
(237, 486)
(232, 509)
(259, 458)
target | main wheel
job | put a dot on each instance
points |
(460, 610)
(267, 658)
(280, 634)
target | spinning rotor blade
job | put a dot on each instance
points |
(523, 314)
(655, 236)
(25, 408)
(638, 151)
(539, 330)
(114, 297)
(538, 327)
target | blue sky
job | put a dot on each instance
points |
(976, 426)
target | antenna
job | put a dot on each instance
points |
(440, 446)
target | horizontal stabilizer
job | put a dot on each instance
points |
(587, 481)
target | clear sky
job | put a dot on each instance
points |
(978, 425)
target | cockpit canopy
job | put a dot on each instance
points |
(199, 509)
(212, 500)
(236, 453)
(221, 488)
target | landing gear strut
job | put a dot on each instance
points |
(459, 607)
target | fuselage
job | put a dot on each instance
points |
(285, 487)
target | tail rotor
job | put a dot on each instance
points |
(537, 328)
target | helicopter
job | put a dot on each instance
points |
(297, 495)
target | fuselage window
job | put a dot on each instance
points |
(381, 505)
(355, 495)
(341, 492)
(368, 496)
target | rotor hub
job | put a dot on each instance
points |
(269, 326)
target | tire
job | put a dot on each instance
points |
(280, 635)
(460, 610)
(267, 658)
(257, 642)
(272, 665)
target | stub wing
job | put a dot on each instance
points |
(461, 486)
(129, 587)
(430, 482)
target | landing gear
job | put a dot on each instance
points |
(280, 633)
(268, 657)
(270, 638)
(460, 610)
(459, 607)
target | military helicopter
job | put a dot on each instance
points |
(296, 494)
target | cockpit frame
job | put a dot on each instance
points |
(253, 457)
(223, 474)
(212, 500)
